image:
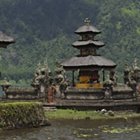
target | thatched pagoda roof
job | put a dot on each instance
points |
(95, 43)
(87, 29)
(88, 61)
(5, 40)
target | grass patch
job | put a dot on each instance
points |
(92, 115)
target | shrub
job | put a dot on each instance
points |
(21, 114)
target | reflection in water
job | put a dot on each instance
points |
(78, 130)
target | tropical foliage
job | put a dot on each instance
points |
(44, 30)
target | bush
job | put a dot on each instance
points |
(21, 114)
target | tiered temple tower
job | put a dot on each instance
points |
(5, 40)
(88, 62)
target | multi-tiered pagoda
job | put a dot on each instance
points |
(5, 40)
(88, 63)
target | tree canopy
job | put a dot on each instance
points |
(45, 30)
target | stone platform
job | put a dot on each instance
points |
(118, 92)
(21, 93)
(122, 98)
(129, 104)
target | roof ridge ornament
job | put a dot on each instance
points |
(87, 21)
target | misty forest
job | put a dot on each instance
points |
(44, 31)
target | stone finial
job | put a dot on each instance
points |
(46, 62)
(87, 21)
(58, 64)
(39, 65)
(127, 69)
(135, 66)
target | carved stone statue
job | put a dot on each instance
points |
(113, 77)
(126, 74)
(41, 80)
(60, 80)
(136, 71)
(108, 86)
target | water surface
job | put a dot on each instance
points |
(78, 130)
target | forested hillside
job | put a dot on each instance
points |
(44, 29)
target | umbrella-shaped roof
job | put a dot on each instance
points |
(86, 29)
(95, 43)
(5, 40)
(88, 61)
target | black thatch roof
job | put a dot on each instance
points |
(5, 40)
(95, 43)
(87, 29)
(88, 61)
